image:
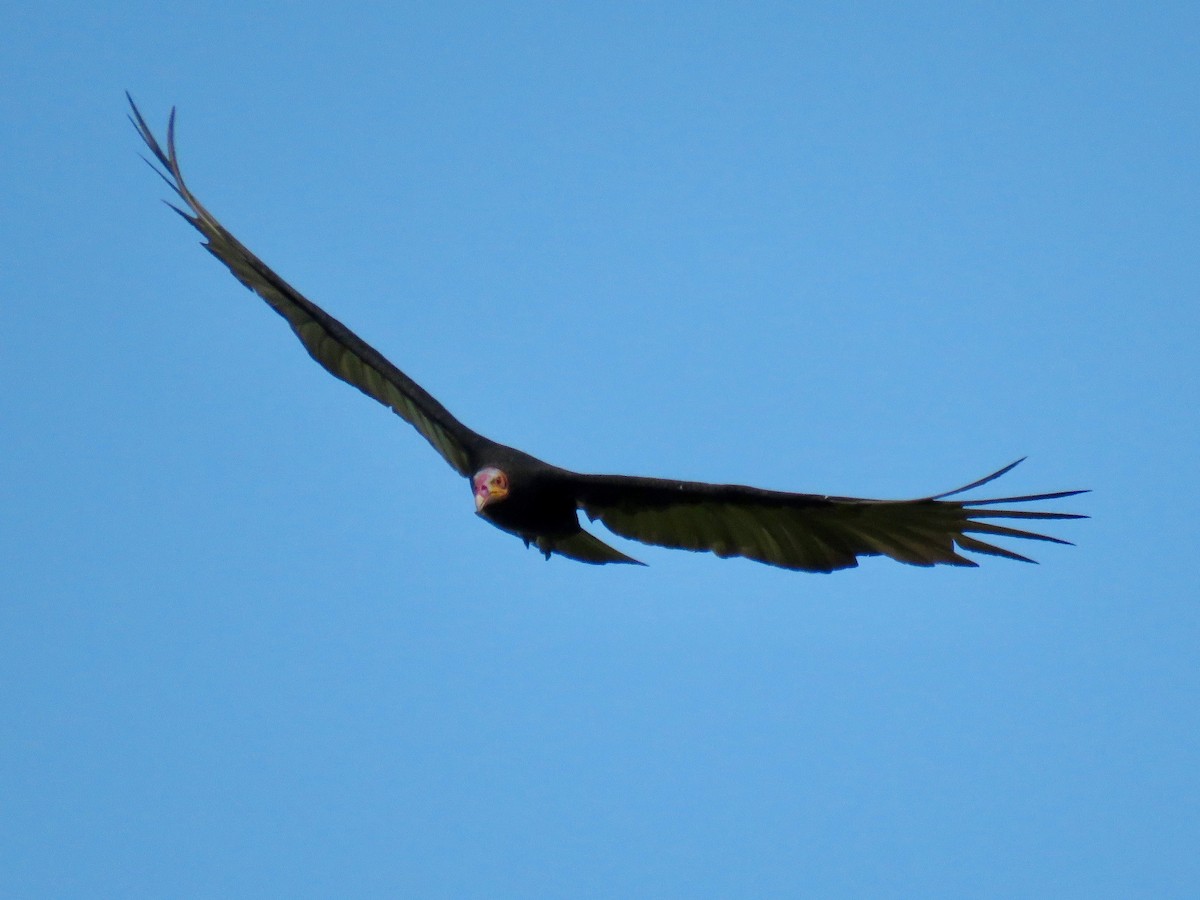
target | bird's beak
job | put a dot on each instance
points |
(488, 493)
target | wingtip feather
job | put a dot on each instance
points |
(980, 482)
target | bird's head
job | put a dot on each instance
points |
(491, 485)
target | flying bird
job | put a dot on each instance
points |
(540, 503)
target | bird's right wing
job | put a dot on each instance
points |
(327, 340)
(808, 531)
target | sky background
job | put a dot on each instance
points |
(253, 640)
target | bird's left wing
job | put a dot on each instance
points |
(808, 531)
(327, 340)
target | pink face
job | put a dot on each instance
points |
(490, 485)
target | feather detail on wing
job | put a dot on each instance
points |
(327, 340)
(808, 531)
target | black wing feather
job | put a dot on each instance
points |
(808, 531)
(337, 348)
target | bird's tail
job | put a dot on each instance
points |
(584, 547)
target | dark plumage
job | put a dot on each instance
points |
(539, 502)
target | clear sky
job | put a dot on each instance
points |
(253, 640)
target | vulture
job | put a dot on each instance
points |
(540, 503)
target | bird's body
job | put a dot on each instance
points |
(540, 503)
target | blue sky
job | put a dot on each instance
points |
(253, 640)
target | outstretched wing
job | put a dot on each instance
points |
(327, 340)
(808, 531)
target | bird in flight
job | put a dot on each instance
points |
(540, 503)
